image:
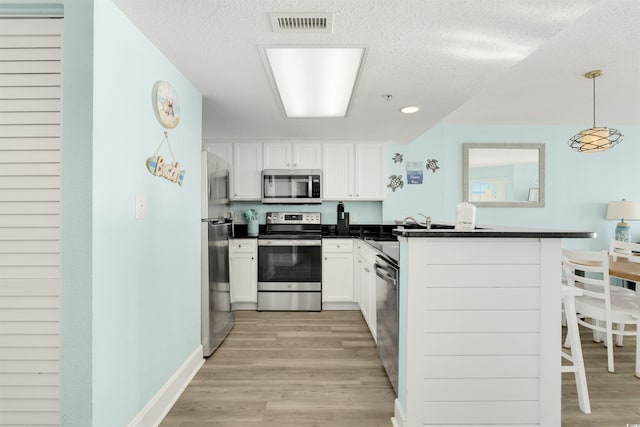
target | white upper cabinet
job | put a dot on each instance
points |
(353, 172)
(247, 172)
(370, 172)
(220, 149)
(307, 156)
(337, 172)
(292, 156)
(277, 156)
(349, 171)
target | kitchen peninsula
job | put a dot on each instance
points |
(480, 327)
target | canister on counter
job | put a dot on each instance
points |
(465, 216)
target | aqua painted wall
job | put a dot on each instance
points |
(77, 179)
(146, 273)
(578, 185)
(429, 197)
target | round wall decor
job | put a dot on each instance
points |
(165, 104)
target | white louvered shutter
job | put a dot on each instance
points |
(30, 220)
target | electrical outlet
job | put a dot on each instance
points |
(140, 206)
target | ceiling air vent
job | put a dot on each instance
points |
(302, 22)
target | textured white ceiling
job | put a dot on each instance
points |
(462, 61)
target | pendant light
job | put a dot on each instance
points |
(595, 138)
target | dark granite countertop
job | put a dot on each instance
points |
(390, 232)
(447, 231)
(240, 231)
(364, 231)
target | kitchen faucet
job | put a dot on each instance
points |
(427, 223)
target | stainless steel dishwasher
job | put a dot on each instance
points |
(387, 315)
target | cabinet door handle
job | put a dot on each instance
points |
(338, 246)
(325, 258)
(251, 257)
(295, 165)
(239, 245)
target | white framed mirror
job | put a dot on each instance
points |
(503, 175)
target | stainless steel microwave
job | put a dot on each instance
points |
(291, 186)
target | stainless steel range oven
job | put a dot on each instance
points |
(290, 262)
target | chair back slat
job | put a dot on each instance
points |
(627, 250)
(588, 270)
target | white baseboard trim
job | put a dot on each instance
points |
(351, 306)
(237, 306)
(157, 408)
(398, 419)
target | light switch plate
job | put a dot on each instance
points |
(140, 206)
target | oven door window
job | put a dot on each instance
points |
(289, 263)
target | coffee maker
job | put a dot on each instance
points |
(342, 220)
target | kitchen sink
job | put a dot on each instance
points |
(414, 226)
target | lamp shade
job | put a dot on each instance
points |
(624, 210)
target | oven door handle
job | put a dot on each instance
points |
(285, 242)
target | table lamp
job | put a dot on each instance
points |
(623, 210)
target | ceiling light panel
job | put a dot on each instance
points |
(315, 82)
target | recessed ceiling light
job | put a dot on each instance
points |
(316, 81)
(410, 109)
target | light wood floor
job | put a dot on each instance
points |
(615, 398)
(322, 369)
(290, 369)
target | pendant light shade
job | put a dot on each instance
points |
(595, 138)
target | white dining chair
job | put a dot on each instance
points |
(598, 303)
(630, 251)
(625, 249)
(573, 342)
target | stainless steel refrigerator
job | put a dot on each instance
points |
(216, 227)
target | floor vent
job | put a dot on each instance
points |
(302, 22)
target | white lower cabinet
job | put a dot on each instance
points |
(243, 273)
(365, 278)
(337, 275)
